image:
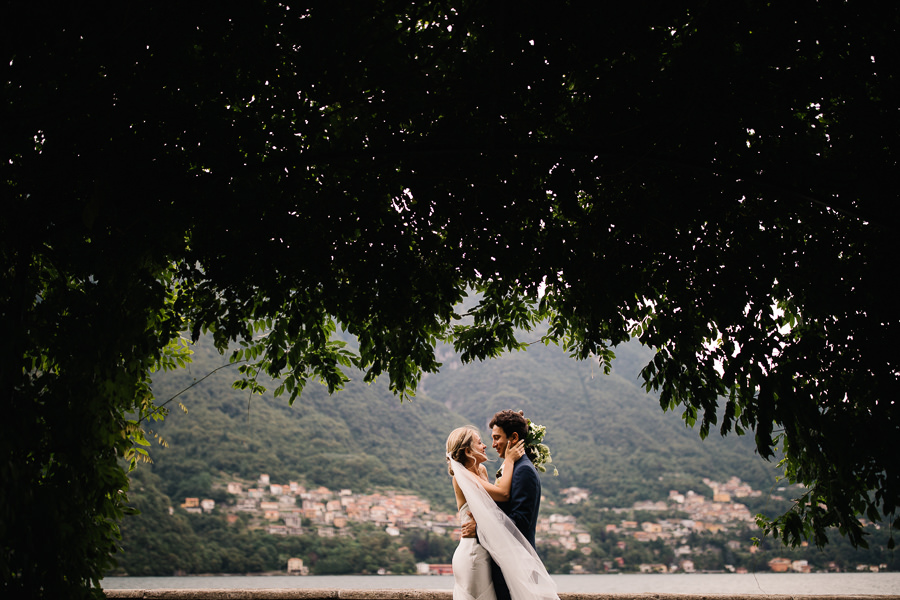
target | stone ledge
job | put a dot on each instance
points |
(332, 594)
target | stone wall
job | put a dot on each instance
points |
(329, 594)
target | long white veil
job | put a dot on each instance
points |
(523, 570)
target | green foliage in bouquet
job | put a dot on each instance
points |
(535, 448)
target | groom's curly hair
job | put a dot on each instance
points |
(511, 422)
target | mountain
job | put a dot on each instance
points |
(359, 438)
(606, 433)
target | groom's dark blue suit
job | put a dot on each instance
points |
(523, 506)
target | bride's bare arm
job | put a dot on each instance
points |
(499, 491)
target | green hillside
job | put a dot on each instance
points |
(607, 435)
(359, 438)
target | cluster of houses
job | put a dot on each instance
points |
(783, 565)
(292, 509)
(703, 514)
(281, 509)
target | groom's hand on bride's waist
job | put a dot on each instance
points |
(469, 528)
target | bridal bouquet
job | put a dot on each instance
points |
(535, 448)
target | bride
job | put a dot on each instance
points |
(498, 537)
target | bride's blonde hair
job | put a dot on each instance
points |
(458, 442)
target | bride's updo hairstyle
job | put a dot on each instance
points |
(458, 442)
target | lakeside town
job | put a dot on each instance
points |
(289, 508)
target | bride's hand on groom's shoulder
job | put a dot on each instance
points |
(515, 451)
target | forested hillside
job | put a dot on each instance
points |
(606, 434)
(358, 438)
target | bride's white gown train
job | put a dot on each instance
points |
(471, 567)
(499, 538)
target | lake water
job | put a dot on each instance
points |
(842, 584)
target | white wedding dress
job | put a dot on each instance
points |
(471, 566)
(499, 538)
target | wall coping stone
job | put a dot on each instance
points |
(406, 594)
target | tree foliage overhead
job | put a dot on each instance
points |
(665, 171)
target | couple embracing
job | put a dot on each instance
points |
(496, 559)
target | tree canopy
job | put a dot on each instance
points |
(713, 180)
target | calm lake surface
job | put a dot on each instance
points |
(882, 584)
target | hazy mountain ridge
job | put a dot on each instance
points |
(606, 434)
(358, 438)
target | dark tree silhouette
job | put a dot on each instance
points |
(717, 181)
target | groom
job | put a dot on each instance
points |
(525, 495)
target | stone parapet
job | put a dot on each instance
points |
(280, 594)
(332, 594)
